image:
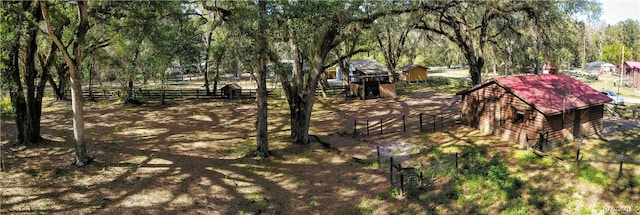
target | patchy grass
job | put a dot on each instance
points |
(593, 175)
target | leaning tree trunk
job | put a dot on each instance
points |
(324, 85)
(80, 158)
(63, 76)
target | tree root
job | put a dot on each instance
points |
(82, 163)
(325, 144)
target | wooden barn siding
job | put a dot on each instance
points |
(590, 122)
(477, 113)
(387, 90)
(416, 74)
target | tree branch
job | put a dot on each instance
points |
(341, 58)
(225, 13)
(50, 32)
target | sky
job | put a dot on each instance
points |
(614, 11)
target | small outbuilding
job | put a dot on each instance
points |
(413, 73)
(599, 66)
(232, 90)
(518, 107)
(633, 72)
(368, 79)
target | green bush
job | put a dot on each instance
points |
(6, 108)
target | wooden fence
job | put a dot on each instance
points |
(156, 94)
(169, 94)
(419, 122)
(414, 177)
(333, 90)
(624, 111)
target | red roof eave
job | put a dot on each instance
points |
(545, 92)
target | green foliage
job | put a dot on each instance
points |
(395, 192)
(486, 180)
(518, 207)
(613, 53)
(584, 210)
(6, 108)
(381, 196)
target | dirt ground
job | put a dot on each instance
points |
(188, 157)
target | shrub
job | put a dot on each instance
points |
(6, 108)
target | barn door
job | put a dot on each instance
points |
(585, 123)
(577, 126)
(568, 125)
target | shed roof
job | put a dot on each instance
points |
(232, 86)
(632, 65)
(549, 93)
(411, 66)
(595, 63)
(369, 67)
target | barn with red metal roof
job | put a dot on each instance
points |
(632, 72)
(518, 108)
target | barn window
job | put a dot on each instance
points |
(518, 116)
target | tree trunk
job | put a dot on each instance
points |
(162, 93)
(215, 79)
(475, 69)
(59, 89)
(16, 92)
(130, 99)
(300, 113)
(206, 63)
(262, 142)
(35, 107)
(324, 84)
(75, 66)
(32, 123)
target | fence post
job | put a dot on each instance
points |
(401, 183)
(197, 94)
(620, 169)
(434, 123)
(378, 150)
(420, 122)
(355, 121)
(456, 161)
(367, 127)
(380, 126)
(441, 120)
(541, 142)
(391, 169)
(578, 153)
(404, 125)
